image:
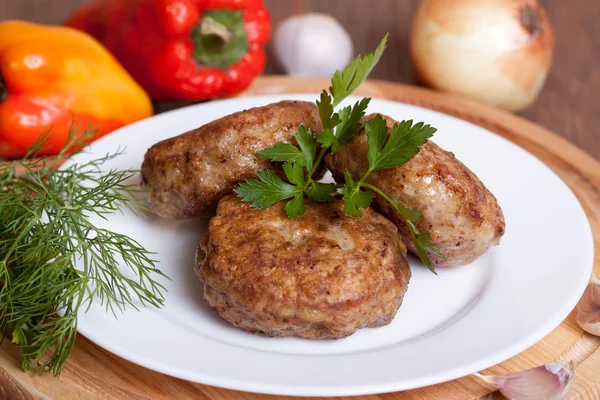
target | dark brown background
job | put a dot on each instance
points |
(569, 104)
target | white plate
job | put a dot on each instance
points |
(462, 321)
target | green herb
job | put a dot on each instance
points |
(269, 190)
(354, 198)
(283, 152)
(302, 161)
(55, 261)
(402, 144)
(345, 82)
(339, 127)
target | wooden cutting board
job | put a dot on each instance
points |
(93, 373)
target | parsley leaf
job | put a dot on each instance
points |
(411, 214)
(308, 144)
(386, 148)
(294, 173)
(348, 125)
(349, 120)
(295, 207)
(354, 198)
(283, 152)
(328, 139)
(423, 244)
(403, 143)
(268, 191)
(344, 83)
(424, 240)
(376, 129)
(321, 191)
(329, 119)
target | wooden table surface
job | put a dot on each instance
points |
(93, 373)
(569, 104)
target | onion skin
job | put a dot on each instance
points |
(495, 51)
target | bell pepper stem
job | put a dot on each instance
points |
(209, 26)
(220, 38)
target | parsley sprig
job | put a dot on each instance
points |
(384, 152)
(301, 162)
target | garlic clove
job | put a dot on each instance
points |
(587, 311)
(312, 44)
(546, 382)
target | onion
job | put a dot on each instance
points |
(494, 51)
(312, 45)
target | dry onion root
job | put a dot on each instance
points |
(495, 51)
(587, 311)
(546, 382)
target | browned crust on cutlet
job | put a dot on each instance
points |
(186, 175)
(323, 275)
(461, 214)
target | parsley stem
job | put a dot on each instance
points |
(364, 177)
(414, 231)
(378, 191)
(318, 161)
(397, 207)
(312, 171)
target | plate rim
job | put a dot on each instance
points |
(365, 389)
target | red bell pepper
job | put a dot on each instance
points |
(182, 49)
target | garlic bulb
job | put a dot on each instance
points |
(312, 45)
(587, 311)
(546, 382)
(494, 51)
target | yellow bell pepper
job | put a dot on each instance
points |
(52, 76)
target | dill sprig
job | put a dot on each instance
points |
(54, 262)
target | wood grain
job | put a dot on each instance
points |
(569, 104)
(93, 373)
